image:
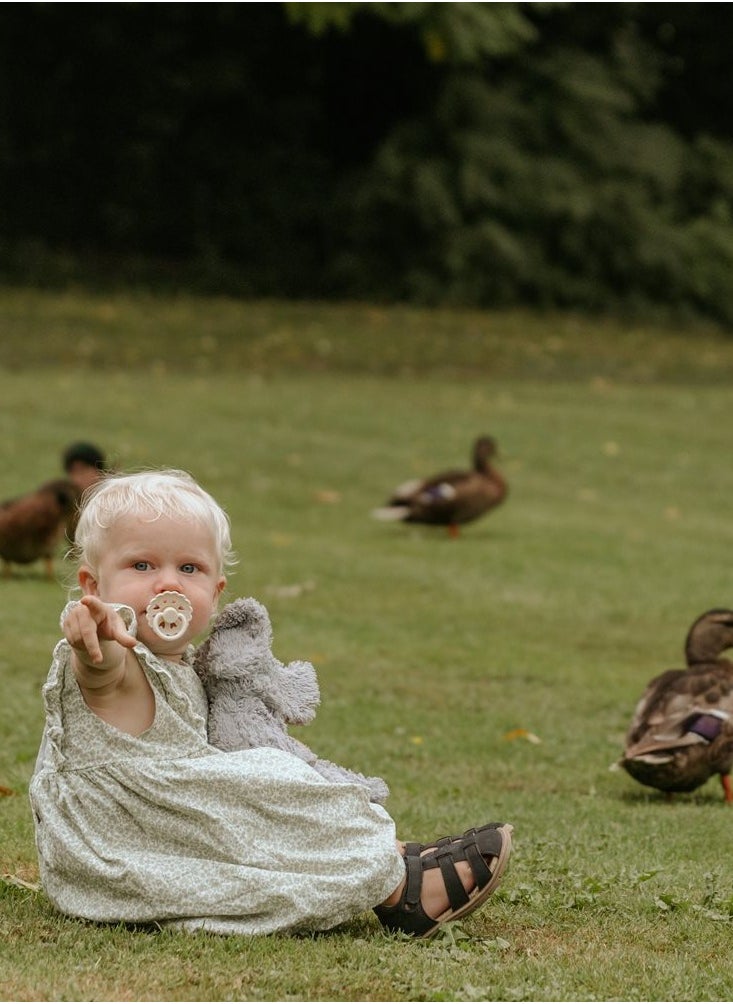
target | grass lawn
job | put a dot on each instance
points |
(548, 616)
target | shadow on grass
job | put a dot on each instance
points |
(672, 799)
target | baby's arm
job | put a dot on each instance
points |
(99, 639)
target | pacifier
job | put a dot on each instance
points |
(169, 614)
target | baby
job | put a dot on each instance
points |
(139, 818)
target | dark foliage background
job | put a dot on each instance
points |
(575, 155)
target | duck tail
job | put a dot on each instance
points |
(389, 513)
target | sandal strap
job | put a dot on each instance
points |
(457, 895)
(473, 847)
(479, 846)
(481, 871)
(413, 882)
(442, 841)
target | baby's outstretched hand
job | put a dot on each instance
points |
(90, 623)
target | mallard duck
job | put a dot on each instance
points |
(33, 525)
(682, 731)
(451, 497)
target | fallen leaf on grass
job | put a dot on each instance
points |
(6, 791)
(521, 734)
(587, 495)
(327, 495)
(281, 539)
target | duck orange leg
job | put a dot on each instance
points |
(727, 789)
(453, 530)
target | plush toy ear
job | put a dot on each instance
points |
(243, 626)
(246, 615)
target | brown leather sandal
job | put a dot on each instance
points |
(477, 847)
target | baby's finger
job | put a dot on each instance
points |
(74, 622)
(96, 607)
(88, 639)
(112, 627)
(85, 626)
(119, 633)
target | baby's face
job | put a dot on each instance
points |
(142, 558)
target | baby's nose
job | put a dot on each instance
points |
(167, 578)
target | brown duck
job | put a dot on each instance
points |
(33, 525)
(682, 731)
(451, 497)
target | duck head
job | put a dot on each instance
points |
(710, 635)
(484, 449)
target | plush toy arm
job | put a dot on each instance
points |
(290, 691)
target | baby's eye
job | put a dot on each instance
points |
(141, 566)
(188, 568)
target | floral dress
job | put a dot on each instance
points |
(164, 827)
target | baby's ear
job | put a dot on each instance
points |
(87, 581)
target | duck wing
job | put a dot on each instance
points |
(404, 493)
(423, 490)
(682, 708)
(427, 500)
(445, 498)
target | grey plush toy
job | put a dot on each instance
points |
(253, 697)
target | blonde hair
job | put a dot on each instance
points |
(150, 495)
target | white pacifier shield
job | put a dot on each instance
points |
(169, 614)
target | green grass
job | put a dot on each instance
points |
(549, 615)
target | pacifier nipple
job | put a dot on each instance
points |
(169, 614)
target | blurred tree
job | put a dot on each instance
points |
(472, 153)
(173, 130)
(454, 33)
(543, 179)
